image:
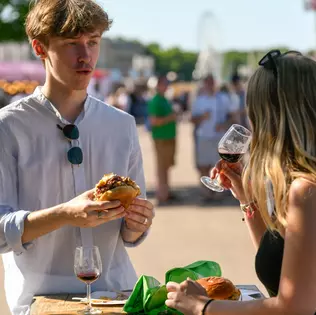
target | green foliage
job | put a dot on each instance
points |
(12, 17)
(173, 59)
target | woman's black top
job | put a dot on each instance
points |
(269, 261)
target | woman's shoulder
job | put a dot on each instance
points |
(303, 190)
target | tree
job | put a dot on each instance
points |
(12, 18)
(173, 59)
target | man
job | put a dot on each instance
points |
(239, 95)
(212, 115)
(54, 147)
(163, 128)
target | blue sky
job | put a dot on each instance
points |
(236, 24)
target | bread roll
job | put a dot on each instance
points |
(115, 187)
(219, 288)
(125, 194)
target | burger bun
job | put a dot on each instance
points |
(219, 288)
(125, 194)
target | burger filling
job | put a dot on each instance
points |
(235, 296)
(113, 182)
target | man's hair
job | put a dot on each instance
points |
(209, 77)
(64, 18)
(235, 78)
(162, 79)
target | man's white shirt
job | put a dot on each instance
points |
(36, 174)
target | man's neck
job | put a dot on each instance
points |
(69, 103)
(208, 92)
(162, 94)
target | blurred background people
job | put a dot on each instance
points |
(163, 130)
(239, 95)
(212, 114)
(138, 103)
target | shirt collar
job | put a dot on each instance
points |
(43, 100)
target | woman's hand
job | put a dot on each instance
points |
(188, 297)
(229, 177)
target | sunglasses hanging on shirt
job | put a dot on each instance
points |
(71, 133)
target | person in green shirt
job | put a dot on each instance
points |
(163, 128)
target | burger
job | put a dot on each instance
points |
(219, 288)
(115, 187)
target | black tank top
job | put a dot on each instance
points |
(269, 261)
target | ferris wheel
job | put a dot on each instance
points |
(209, 41)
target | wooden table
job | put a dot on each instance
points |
(64, 305)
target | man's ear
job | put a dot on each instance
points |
(39, 49)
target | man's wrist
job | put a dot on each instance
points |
(130, 235)
(61, 212)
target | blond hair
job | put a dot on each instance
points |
(282, 111)
(65, 18)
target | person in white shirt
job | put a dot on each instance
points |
(212, 114)
(55, 145)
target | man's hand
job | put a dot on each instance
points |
(83, 211)
(221, 128)
(140, 215)
(206, 116)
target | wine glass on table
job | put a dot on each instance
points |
(231, 148)
(88, 268)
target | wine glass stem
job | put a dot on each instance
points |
(89, 296)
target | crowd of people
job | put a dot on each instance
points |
(210, 107)
(66, 140)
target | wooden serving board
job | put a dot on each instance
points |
(64, 305)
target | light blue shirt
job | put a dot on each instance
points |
(36, 174)
(218, 106)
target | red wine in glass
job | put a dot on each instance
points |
(89, 277)
(233, 145)
(231, 157)
(88, 268)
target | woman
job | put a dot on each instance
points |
(281, 105)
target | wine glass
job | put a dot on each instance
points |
(88, 268)
(233, 145)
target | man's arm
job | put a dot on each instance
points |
(198, 115)
(160, 121)
(39, 223)
(155, 117)
(18, 228)
(233, 114)
(198, 119)
(80, 211)
(136, 172)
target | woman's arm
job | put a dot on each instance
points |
(256, 226)
(297, 290)
(230, 178)
(298, 279)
